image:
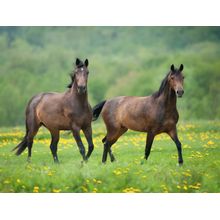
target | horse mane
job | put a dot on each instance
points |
(162, 87)
(72, 76)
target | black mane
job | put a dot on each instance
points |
(162, 87)
(72, 76)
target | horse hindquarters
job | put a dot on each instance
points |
(32, 126)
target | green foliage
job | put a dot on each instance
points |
(123, 61)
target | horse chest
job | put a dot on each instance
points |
(166, 120)
(80, 117)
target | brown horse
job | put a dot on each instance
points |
(152, 114)
(61, 111)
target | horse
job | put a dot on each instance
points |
(152, 114)
(61, 111)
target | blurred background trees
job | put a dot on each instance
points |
(123, 61)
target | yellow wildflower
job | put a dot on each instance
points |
(7, 181)
(84, 189)
(50, 173)
(131, 190)
(210, 142)
(186, 174)
(117, 172)
(36, 189)
(95, 190)
(56, 190)
(185, 187)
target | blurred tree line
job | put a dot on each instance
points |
(123, 61)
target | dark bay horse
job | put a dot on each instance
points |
(152, 114)
(61, 111)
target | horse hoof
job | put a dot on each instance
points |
(29, 160)
(142, 162)
(81, 164)
(180, 164)
(113, 160)
(85, 159)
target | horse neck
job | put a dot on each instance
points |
(168, 97)
(81, 98)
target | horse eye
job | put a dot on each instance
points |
(172, 77)
(87, 72)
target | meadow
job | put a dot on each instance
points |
(130, 173)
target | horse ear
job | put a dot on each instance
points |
(172, 68)
(181, 67)
(77, 61)
(86, 62)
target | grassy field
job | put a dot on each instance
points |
(130, 172)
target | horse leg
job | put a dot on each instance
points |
(112, 158)
(55, 136)
(173, 135)
(110, 151)
(149, 142)
(107, 146)
(80, 145)
(88, 134)
(32, 131)
(109, 140)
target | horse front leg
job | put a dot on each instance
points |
(88, 134)
(173, 135)
(149, 142)
(53, 145)
(78, 140)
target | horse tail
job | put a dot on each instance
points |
(97, 110)
(23, 144)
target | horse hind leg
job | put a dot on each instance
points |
(109, 140)
(32, 131)
(109, 150)
(32, 127)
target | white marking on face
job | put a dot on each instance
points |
(82, 69)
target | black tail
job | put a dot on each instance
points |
(21, 147)
(97, 110)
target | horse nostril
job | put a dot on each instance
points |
(81, 89)
(180, 92)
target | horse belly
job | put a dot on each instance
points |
(134, 123)
(59, 123)
(53, 120)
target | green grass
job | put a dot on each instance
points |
(130, 172)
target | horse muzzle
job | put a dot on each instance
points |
(179, 93)
(81, 89)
